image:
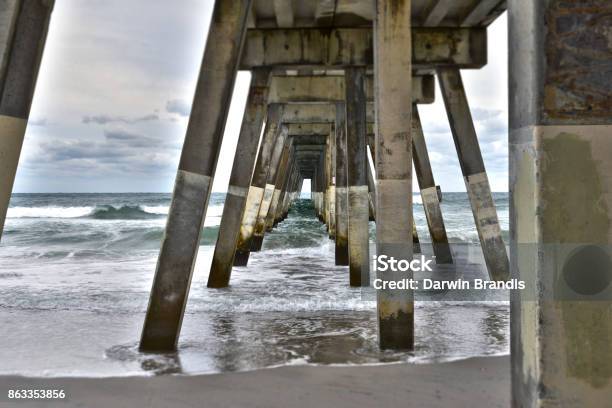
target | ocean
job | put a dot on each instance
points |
(76, 270)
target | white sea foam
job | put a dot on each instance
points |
(158, 209)
(48, 212)
(79, 212)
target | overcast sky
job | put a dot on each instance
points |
(116, 85)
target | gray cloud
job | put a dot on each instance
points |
(129, 139)
(179, 106)
(479, 114)
(106, 119)
(37, 122)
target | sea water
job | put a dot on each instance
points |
(76, 270)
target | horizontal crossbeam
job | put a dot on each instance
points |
(432, 47)
(328, 89)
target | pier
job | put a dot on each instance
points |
(336, 84)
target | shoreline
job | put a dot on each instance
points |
(478, 381)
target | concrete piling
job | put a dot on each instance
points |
(358, 213)
(240, 179)
(295, 187)
(429, 192)
(341, 252)
(278, 185)
(330, 193)
(23, 33)
(275, 159)
(474, 174)
(560, 202)
(320, 190)
(332, 183)
(258, 185)
(392, 74)
(416, 244)
(194, 178)
(286, 186)
(371, 193)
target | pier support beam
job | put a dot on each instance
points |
(194, 178)
(287, 186)
(416, 244)
(278, 184)
(330, 192)
(332, 187)
(294, 189)
(561, 203)
(258, 185)
(392, 72)
(371, 192)
(429, 192)
(240, 179)
(266, 201)
(320, 199)
(301, 47)
(23, 32)
(358, 211)
(474, 174)
(341, 187)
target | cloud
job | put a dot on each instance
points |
(123, 138)
(106, 119)
(179, 106)
(38, 122)
(118, 149)
(479, 114)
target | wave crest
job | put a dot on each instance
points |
(125, 212)
(101, 212)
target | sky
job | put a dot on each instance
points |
(115, 88)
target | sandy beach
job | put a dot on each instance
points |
(476, 382)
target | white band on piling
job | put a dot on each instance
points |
(237, 191)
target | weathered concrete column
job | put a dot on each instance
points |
(429, 192)
(330, 194)
(332, 184)
(341, 254)
(289, 191)
(322, 187)
(286, 176)
(371, 193)
(194, 179)
(327, 166)
(474, 174)
(297, 189)
(312, 189)
(281, 174)
(560, 69)
(293, 187)
(258, 185)
(392, 75)
(23, 32)
(286, 185)
(319, 176)
(264, 208)
(240, 179)
(416, 244)
(356, 162)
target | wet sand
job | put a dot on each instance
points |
(476, 382)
